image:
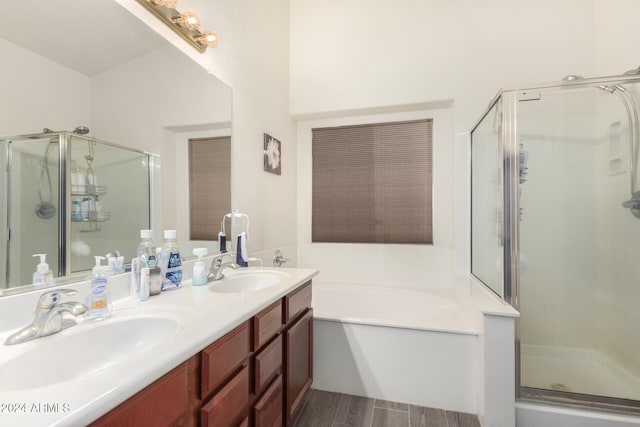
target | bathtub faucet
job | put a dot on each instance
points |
(217, 267)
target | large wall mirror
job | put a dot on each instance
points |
(94, 64)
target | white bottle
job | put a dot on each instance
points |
(171, 262)
(99, 298)
(146, 253)
(199, 269)
(43, 276)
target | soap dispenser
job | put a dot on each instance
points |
(199, 269)
(43, 275)
(99, 297)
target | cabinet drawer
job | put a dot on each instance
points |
(267, 363)
(266, 324)
(297, 301)
(228, 406)
(267, 412)
(222, 359)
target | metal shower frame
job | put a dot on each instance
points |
(510, 221)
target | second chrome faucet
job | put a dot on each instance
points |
(217, 267)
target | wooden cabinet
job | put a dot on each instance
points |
(166, 402)
(223, 359)
(256, 375)
(225, 376)
(228, 407)
(298, 344)
(267, 411)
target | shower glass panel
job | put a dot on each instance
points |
(30, 206)
(556, 211)
(487, 250)
(579, 247)
(110, 190)
(103, 204)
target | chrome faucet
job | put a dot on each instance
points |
(217, 267)
(278, 258)
(49, 318)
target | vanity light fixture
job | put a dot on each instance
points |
(186, 24)
(188, 19)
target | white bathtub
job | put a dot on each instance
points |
(405, 345)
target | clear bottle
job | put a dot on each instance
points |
(146, 253)
(43, 276)
(171, 263)
(199, 277)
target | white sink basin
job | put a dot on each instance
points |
(85, 349)
(248, 281)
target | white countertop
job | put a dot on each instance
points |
(205, 317)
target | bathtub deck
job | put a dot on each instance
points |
(326, 409)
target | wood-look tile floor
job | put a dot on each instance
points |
(326, 409)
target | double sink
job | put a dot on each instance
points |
(132, 335)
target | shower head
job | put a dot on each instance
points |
(81, 130)
(632, 72)
(633, 204)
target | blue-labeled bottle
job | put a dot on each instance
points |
(171, 262)
(99, 298)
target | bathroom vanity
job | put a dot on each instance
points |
(256, 375)
(214, 355)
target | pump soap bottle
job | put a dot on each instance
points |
(43, 275)
(199, 269)
(99, 298)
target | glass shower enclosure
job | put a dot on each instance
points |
(556, 233)
(71, 197)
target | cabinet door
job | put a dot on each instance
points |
(163, 403)
(228, 406)
(298, 362)
(267, 411)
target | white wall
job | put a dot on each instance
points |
(36, 93)
(367, 54)
(25, 78)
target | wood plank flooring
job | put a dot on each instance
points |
(326, 409)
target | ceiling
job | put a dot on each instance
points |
(88, 36)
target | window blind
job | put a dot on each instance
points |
(209, 185)
(373, 183)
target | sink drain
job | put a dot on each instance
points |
(559, 387)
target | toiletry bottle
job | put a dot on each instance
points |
(146, 254)
(43, 275)
(99, 298)
(222, 241)
(85, 208)
(242, 258)
(171, 262)
(76, 210)
(199, 269)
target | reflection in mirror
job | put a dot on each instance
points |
(72, 226)
(131, 88)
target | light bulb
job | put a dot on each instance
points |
(209, 38)
(188, 19)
